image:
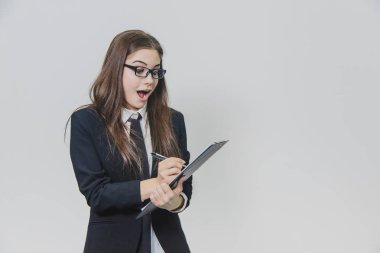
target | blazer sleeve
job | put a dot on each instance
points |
(101, 194)
(180, 129)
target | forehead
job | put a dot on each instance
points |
(148, 56)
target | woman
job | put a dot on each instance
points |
(110, 157)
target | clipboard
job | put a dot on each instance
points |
(186, 172)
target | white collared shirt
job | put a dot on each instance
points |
(126, 114)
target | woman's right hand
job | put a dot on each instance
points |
(168, 169)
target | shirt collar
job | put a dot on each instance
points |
(126, 113)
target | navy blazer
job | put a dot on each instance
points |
(113, 193)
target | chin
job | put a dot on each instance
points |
(138, 106)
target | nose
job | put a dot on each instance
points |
(149, 79)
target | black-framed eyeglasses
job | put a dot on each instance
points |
(144, 72)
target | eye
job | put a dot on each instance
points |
(140, 70)
(156, 72)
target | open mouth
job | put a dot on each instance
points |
(143, 93)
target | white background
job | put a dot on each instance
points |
(293, 85)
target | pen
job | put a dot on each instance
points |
(161, 157)
(158, 156)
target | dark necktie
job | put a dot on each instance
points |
(137, 136)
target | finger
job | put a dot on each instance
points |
(160, 191)
(154, 199)
(165, 167)
(172, 159)
(164, 193)
(176, 159)
(167, 190)
(171, 162)
(179, 188)
(158, 197)
(169, 172)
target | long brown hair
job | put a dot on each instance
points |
(107, 96)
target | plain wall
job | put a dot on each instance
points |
(293, 85)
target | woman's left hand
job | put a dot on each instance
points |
(166, 198)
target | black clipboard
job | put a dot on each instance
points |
(186, 172)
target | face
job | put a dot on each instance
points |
(138, 89)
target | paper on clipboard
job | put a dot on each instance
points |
(187, 172)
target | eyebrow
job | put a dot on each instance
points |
(157, 65)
